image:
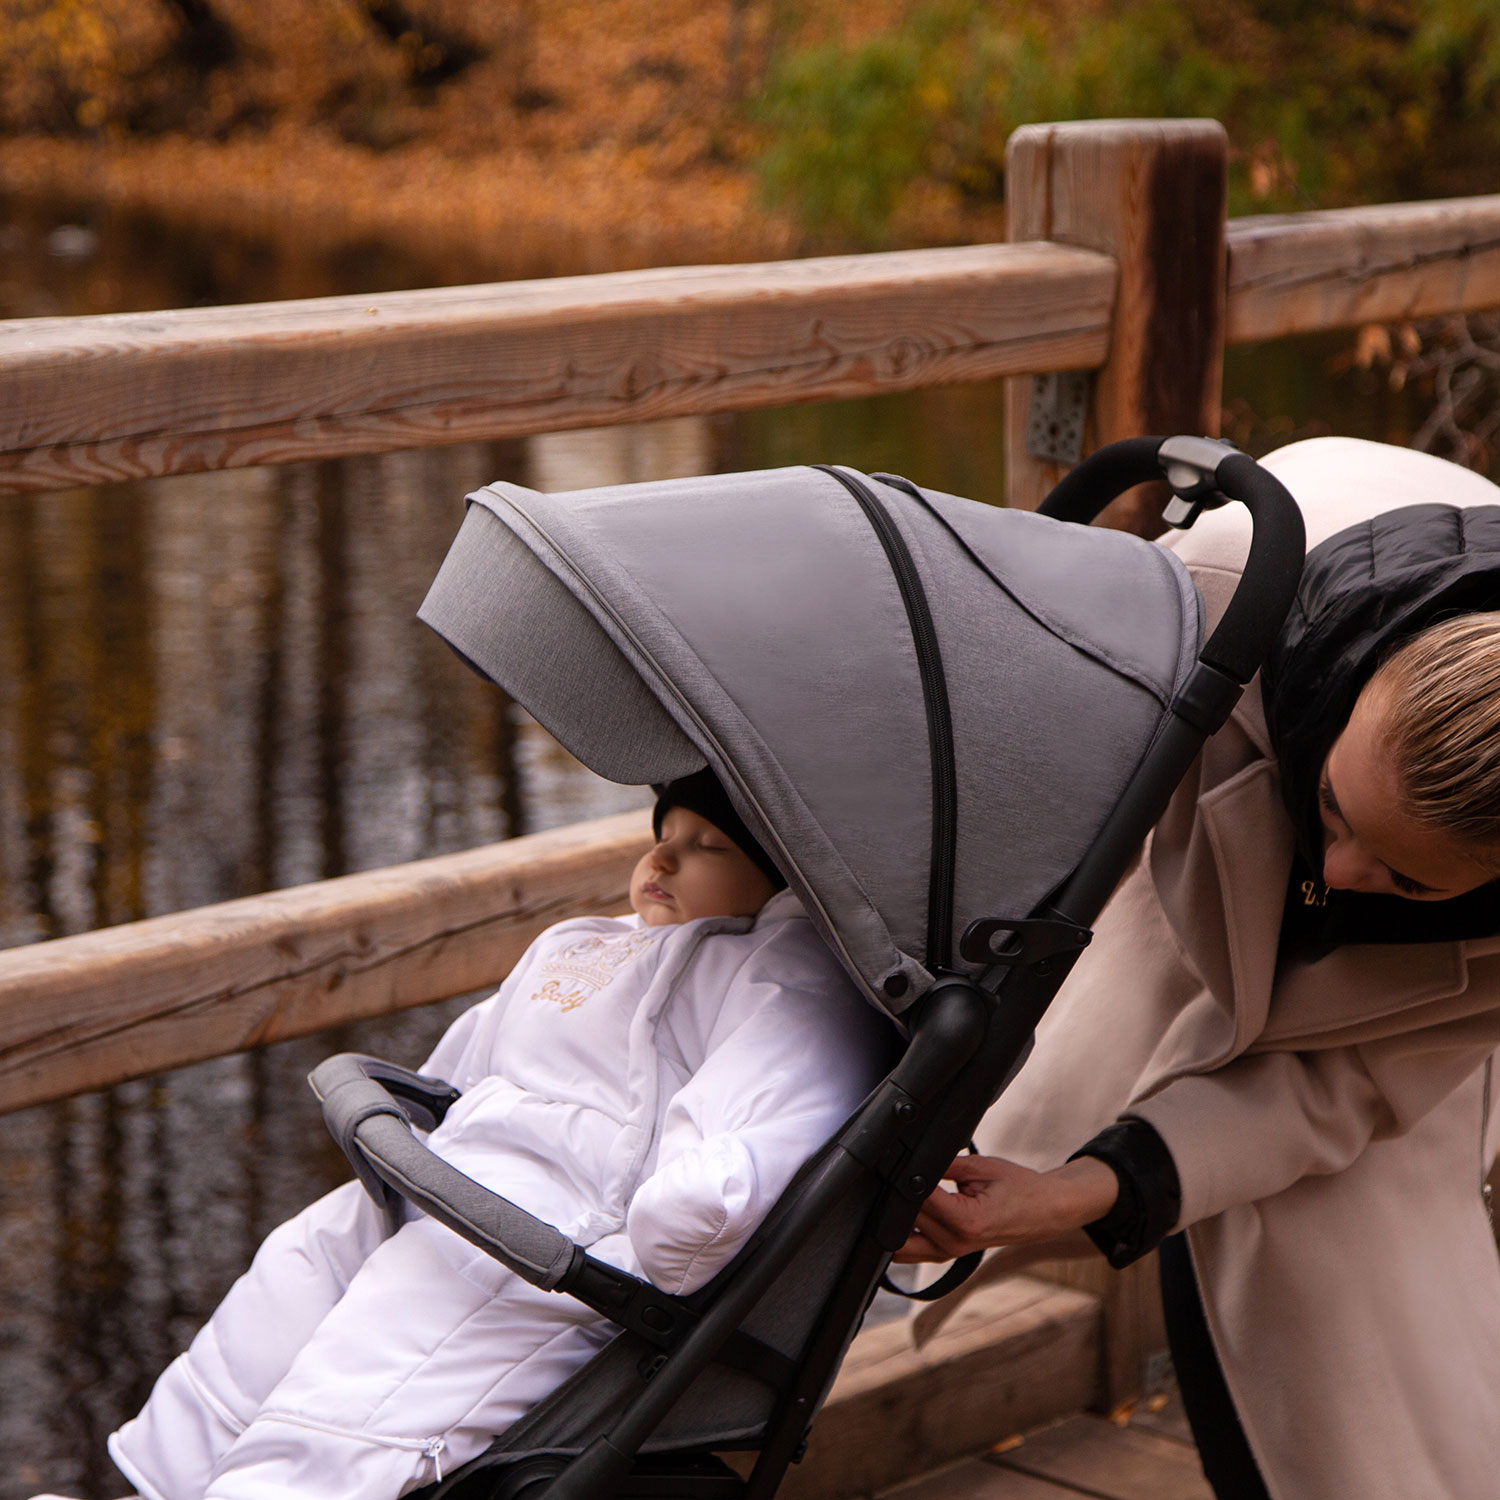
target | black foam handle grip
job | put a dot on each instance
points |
(1278, 541)
(1268, 585)
(1106, 473)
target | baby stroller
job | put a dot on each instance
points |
(952, 726)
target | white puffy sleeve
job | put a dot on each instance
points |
(443, 1061)
(790, 1056)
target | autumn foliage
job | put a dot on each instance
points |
(603, 127)
(655, 130)
(1326, 104)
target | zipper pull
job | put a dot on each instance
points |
(434, 1450)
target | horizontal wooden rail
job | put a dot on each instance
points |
(125, 1002)
(1300, 273)
(85, 400)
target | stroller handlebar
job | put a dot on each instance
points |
(1203, 473)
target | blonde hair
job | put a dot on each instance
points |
(1440, 694)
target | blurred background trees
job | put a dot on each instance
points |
(857, 121)
(1327, 102)
(593, 134)
(215, 68)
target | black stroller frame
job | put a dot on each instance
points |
(968, 1036)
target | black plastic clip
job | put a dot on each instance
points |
(1189, 464)
(1021, 941)
(658, 1317)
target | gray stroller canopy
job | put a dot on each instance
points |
(861, 662)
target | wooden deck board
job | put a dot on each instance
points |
(973, 1479)
(1092, 1456)
(1081, 1458)
(1168, 1418)
(1149, 1457)
(1016, 1354)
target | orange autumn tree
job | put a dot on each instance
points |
(214, 67)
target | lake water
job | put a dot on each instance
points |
(214, 685)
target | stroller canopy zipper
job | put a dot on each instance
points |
(939, 719)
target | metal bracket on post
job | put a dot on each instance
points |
(1054, 424)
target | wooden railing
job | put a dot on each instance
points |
(1123, 265)
(137, 395)
(171, 393)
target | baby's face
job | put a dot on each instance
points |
(695, 871)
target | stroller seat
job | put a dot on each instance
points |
(951, 726)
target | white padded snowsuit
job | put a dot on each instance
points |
(650, 1091)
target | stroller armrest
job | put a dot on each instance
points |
(370, 1107)
(423, 1100)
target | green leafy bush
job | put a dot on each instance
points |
(1326, 101)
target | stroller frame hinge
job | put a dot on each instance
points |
(664, 1321)
(656, 1316)
(939, 717)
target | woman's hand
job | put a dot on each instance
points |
(1000, 1203)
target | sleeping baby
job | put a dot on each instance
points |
(648, 1084)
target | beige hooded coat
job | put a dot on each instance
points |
(1331, 1124)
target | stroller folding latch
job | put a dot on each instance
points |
(857, 657)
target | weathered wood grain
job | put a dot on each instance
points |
(1017, 1354)
(1299, 273)
(973, 1479)
(1150, 194)
(84, 400)
(127, 1001)
(1110, 1463)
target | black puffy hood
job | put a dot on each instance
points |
(1363, 592)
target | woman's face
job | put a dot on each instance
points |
(1369, 843)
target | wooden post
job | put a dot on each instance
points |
(1150, 193)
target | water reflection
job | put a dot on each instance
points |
(215, 686)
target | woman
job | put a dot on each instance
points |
(1280, 1042)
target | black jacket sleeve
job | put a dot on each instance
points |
(1150, 1193)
